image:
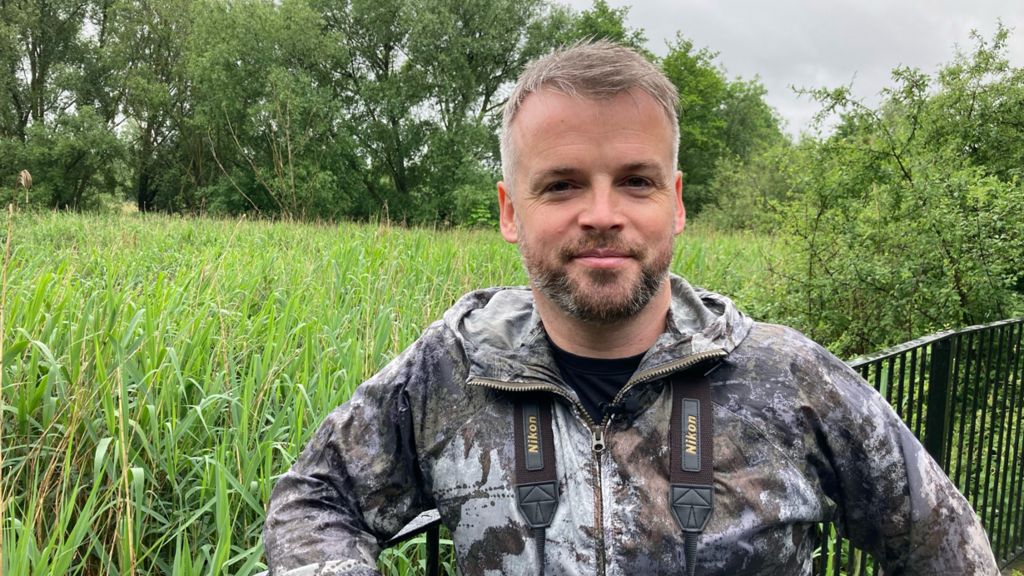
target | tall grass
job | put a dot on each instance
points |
(158, 373)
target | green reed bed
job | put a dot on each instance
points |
(158, 373)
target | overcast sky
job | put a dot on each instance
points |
(823, 43)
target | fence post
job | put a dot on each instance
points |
(434, 549)
(935, 432)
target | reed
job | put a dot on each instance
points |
(159, 373)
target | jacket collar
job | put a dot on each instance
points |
(504, 339)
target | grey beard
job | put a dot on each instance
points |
(573, 299)
(560, 290)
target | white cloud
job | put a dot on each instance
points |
(813, 44)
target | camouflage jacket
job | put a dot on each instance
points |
(799, 439)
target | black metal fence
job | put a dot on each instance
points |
(962, 393)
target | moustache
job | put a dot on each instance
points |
(602, 242)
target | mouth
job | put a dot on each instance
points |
(602, 257)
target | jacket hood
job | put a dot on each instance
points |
(504, 339)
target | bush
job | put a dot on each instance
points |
(902, 222)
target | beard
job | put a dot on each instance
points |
(601, 296)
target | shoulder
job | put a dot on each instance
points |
(479, 327)
(774, 350)
(779, 373)
(476, 316)
(482, 313)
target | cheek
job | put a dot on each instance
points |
(546, 226)
(657, 224)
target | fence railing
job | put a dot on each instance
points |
(962, 394)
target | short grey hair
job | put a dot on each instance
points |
(593, 70)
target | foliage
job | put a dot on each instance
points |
(720, 121)
(73, 159)
(159, 373)
(141, 59)
(749, 194)
(423, 87)
(42, 53)
(48, 123)
(602, 22)
(298, 109)
(907, 219)
(265, 115)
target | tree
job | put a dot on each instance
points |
(423, 83)
(143, 42)
(905, 220)
(718, 119)
(265, 114)
(702, 89)
(602, 22)
(49, 121)
(464, 53)
(42, 51)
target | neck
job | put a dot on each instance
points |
(629, 337)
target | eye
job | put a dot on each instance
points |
(638, 182)
(558, 187)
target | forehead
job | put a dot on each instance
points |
(552, 127)
(548, 105)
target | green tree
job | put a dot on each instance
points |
(602, 22)
(143, 44)
(702, 89)
(271, 135)
(978, 109)
(72, 159)
(719, 120)
(751, 125)
(904, 220)
(42, 50)
(464, 53)
(50, 122)
(749, 194)
(422, 83)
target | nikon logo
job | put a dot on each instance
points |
(528, 443)
(532, 434)
(691, 435)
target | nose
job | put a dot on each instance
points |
(603, 209)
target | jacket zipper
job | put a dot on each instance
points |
(596, 446)
(666, 369)
(597, 431)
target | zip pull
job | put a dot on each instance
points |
(597, 439)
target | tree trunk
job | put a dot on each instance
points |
(144, 193)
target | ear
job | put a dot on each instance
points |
(507, 217)
(680, 210)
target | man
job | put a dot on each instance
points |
(614, 347)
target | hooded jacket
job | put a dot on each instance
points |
(799, 439)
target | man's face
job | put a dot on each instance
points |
(595, 202)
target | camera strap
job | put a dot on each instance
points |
(691, 474)
(536, 484)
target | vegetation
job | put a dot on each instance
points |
(159, 373)
(902, 218)
(303, 109)
(907, 220)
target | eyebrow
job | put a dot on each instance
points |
(552, 174)
(641, 166)
(558, 172)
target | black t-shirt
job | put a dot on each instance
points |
(595, 380)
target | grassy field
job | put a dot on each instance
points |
(158, 373)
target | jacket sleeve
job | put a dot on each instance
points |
(893, 500)
(358, 480)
